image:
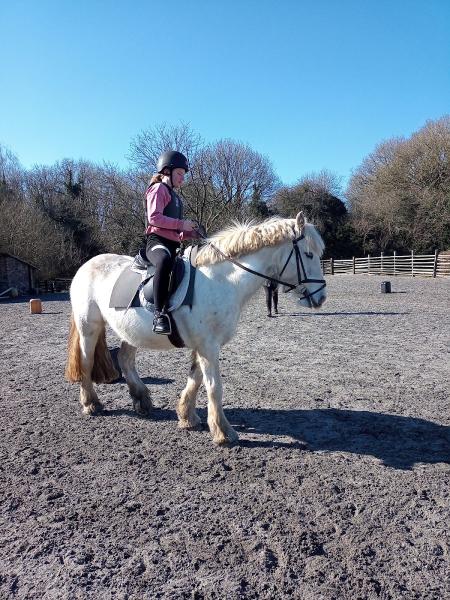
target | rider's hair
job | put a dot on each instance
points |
(158, 177)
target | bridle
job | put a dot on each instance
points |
(299, 264)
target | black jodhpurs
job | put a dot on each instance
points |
(271, 293)
(163, 261)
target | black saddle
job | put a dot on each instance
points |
(143, 265)
(141, 262)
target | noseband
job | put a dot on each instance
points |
(299, 264)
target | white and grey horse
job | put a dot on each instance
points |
(230, 269)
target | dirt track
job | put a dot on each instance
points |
(339, 487)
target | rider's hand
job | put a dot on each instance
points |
(201, 231)
(192, 225)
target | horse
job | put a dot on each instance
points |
(285, 250)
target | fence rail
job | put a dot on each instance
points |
(428, 265)
(54, 285)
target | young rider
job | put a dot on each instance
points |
(166, 228)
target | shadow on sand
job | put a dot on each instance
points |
(399, 442)
(343, 314)
(56, 297)
(146, 380)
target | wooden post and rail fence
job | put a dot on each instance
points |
(54, 285)
(424, 265)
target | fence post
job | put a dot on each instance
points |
(436, 252)
(368, 264)
(354, 266)
(412, 263)
(381, 271)
(332, 265)
(395, 254)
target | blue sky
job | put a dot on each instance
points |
(310, 84)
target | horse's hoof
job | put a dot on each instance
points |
(226, 439)
(142, 409)
(198, 427)
(93, 409)
(192, 424)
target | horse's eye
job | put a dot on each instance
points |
(309, 254)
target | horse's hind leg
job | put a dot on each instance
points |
(187, 415)
(138, 390)
(89, 335)
(219, 426)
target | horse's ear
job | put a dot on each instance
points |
(300, 220)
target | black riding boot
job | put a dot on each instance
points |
(268, 293)
(161, 323)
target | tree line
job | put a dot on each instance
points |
(57, 217)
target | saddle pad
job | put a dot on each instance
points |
(128, 281)
(125, 288)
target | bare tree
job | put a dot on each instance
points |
(225, 178)
(147, 146)
(316, 194)
(123, 214)
(11, 172)
(322, 182)
(400, 195)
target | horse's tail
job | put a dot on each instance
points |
(103, 369)
(73, 365)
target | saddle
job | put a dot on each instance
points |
(134, 287)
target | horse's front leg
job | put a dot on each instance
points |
(126, 357)
(220, 428)
(187, 415)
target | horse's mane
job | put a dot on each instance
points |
(244, 238)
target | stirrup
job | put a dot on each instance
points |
(161, 324)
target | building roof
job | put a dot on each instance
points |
(19, 259)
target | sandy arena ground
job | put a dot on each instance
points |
(338, 488)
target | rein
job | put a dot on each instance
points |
(299, 263)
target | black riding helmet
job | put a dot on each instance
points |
(172, 160)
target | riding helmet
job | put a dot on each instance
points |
(172, 160)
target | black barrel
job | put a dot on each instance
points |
(385, 287)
